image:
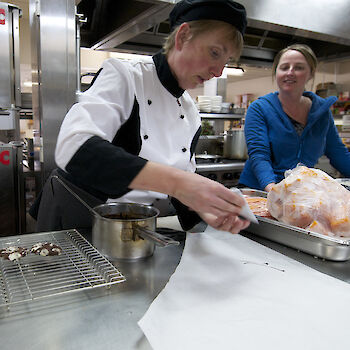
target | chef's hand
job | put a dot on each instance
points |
(207, 196)
(197, 192)
(228, 223)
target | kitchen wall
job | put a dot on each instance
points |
(91, 60)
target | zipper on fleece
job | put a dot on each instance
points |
(299, 151)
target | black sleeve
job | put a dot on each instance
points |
(104, 167)
(195, 140)
(187, 218)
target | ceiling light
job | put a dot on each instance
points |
(129, 56)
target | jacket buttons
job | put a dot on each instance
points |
(182, 116)
(145, 137)
(149, 102)
(184, 149)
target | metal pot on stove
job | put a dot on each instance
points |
(234, 144)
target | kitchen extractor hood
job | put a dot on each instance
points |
(140, 26)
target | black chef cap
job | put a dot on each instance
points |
(221, 10)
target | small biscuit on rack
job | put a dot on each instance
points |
(13, 253)
(46, 249)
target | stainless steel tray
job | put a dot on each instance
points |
(79, 267)
(316, 244)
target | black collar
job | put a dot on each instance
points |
(165, 76)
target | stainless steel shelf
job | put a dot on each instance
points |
(234, 166)
(223, 116)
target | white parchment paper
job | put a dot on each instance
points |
(229, 292)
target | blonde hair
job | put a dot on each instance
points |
(203, 26)
(305, 50)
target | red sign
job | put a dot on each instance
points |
(5, 157)
(2, 16)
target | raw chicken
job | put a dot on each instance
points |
(258, 205)
(311, 199)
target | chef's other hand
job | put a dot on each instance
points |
(269, 186)
(230, 223)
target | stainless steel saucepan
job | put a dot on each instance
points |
(124, 231)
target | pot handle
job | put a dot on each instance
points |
(155, 237)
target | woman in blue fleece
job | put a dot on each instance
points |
(292, 125)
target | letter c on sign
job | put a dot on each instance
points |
(2, 16)
(4, 160)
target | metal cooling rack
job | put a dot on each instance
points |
(79, 267)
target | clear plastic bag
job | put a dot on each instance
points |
(311, 199)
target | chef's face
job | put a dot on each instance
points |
(202, 57)
(292, 72)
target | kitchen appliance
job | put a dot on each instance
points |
(316, 244)
(205, 157)
(124, 231)
(12, 196)
(79, 267)
(10, 93)
(12, 213)
(209, 144)
(234, 144)
(223, 170)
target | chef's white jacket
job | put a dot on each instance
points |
(132, 113)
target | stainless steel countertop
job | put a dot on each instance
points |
(107, 318)
(93, 319)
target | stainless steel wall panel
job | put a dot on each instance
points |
(54, 63)
(16, 61)
(10, 90)
(5, 57)
(35, 61)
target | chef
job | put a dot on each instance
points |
(132, 135)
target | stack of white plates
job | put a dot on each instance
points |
(216, 102)
(346, 123)
(204, 103)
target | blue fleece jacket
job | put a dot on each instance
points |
(274, 145)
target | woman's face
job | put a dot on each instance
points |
(293, 72)
(201, 58)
